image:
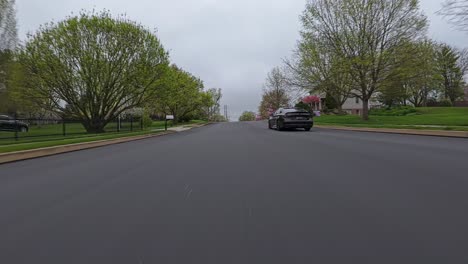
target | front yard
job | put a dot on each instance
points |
(435, 118)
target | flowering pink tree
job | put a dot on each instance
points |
(271, 111)
(313, 101)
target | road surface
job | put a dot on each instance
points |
(240, 193)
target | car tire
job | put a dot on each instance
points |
(279, 127)
(269, 125)
(307, 128)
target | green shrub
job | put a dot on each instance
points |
(331, 103)
(431, 102)
(445, 103)
(247, 116)
(302, 105)
(185, 118)
(396, 111)
(147, 120)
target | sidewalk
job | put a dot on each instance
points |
(436, 133)
(182, 128)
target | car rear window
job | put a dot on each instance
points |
(295, 111)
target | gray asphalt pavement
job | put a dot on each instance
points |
(240, 193)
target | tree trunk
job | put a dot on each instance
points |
(365, 109)
(453, 99)
(94, 126)
(176, 120)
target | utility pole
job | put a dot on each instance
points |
(226, 115)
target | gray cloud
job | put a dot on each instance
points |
(230, 44)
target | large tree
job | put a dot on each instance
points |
(366, 34)
(213, 111)
(93, 66)
(275, 93)
(415, 78)
(456, 11)
(452, 73)
(181, 94)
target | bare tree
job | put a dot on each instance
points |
(366, 35)
(8, 30)
(456, 12)
(214, 110)
(463, 60)
(8, 40)
(275, 93)
(277, 86)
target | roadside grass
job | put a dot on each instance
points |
(436, 118)
(67, 141)
(52, 131)
(34, 142)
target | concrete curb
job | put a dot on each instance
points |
(49, 151)
(435, 133)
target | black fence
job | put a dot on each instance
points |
(28, 129)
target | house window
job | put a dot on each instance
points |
(357, 100)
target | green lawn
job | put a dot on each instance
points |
(67, 141)
(449, 118)
(49, 132)
(70, 129)
(51, 135)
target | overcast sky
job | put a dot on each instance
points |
(230, 44)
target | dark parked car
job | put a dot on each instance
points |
(10, 124)
(285, 118)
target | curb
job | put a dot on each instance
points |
(50, 151)
(434, 133)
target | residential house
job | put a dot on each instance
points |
(352, 105)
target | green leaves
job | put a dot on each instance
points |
(94, 65)
(356, 41)
(451, 72)
(247, 116)
(180, 93)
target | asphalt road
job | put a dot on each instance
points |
(240, 193)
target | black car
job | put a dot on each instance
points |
(285, 118)
(10, 124)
